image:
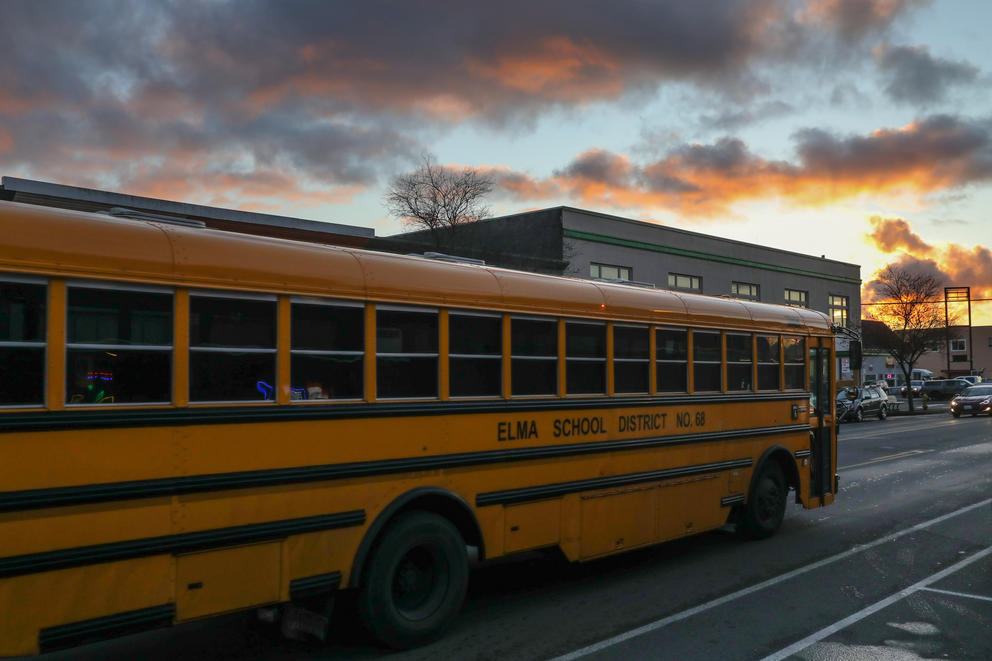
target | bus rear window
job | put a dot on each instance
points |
(22, 343)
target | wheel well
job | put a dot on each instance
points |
(786, 462)
(439, 501)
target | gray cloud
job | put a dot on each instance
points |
(914, 76)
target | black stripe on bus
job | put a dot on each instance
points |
(732, 500)
(108, 626)
(802, 453)
(182, 543)
(301, 588)
(126, 417)
(113, 491)
(526, 494)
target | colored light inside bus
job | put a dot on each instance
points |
(266, 390)
(99, 376)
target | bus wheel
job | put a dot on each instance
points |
(765, 509)
(415, 581)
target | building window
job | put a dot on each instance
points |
(747, 290)
(631, 359)
(685, 282)
(232, 348)
(22, 342)
(838, 309)
(610, 271)
(406, 346)
(534, 356)
(959, 344)
(327, 351)
(585, 358)
(797, 298)
(475, 354)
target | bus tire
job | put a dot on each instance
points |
(414, 582)
(765, 509)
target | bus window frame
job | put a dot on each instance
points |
(559, 328)
(389, 307)
(501, 356)
(190, 349)
(326, 302)
(42, 344)
(115, 286)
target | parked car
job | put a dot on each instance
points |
(973, 379)
(914, 386)
(854, 403)
(973, 400)
(943, 388)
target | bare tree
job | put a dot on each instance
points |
(438, 198)
(912, 306)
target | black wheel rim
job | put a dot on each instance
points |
(420, 582)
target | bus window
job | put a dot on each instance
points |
(794, 349)
(534, 356)
(673, 360)
(327, 350)
(740, 360)
(706, 361)
(406, 353)
(475, 354)
(585, 358)
(118, 346)
(768, 362)
(232, 348)
(631, 359)
(22, 343)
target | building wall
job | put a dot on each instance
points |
(981, 337)
(653, 251)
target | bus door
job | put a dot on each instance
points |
(822, 434)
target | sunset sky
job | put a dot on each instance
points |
(857, 129)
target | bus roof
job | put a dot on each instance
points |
(74, 244)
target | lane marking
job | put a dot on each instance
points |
(888, 457)
(839, 625)
(856, 436)
(757, 587)
(958, 594)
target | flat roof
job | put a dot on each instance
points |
(91, 196)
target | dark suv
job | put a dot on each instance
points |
(854, 403)
(943, 388)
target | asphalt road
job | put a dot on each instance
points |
(899, 568)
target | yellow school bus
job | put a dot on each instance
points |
(195, 422)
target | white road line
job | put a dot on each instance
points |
(888, 457)
(757, 587)
(957, 594)
(874, 608)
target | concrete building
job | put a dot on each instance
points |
(28, 191)
(964, 359)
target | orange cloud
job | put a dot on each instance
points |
(704, 180)
(891, 234)
(559, 68)
(952, 264)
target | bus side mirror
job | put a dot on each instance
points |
(855, 353)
